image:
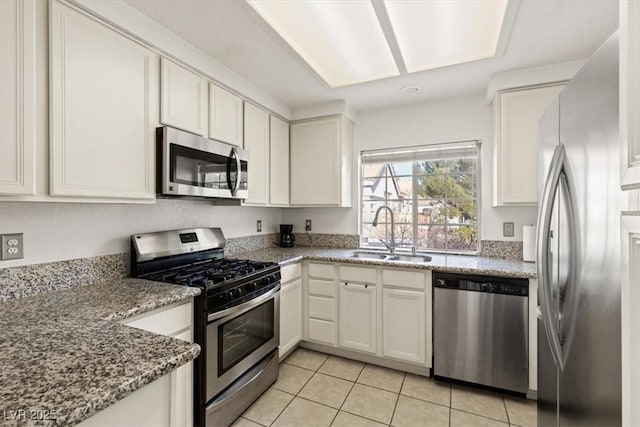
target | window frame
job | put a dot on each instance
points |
(415, 150)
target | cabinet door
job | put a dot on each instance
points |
(630, 93)
(181, 412)
(315, 162)
(256, 140)
(279, 147)
(403, 325)
(290, 316)
(104, 109)
(183, 98)
(358, 317)
(516, 118)
(225, 116)
(630, 318)
(17, 103)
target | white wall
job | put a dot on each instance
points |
(59, 231)
(452, 119)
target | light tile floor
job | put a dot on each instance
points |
(315, 389)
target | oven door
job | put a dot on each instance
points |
(197, 166)
(239, 337)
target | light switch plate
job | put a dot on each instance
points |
(11, 246)
(259, 226)
(508, 229)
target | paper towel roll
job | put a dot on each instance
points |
(529, 243)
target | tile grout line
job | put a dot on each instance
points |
(296, 395)
(504, 402)
(353, 383)
(404, 376)
(481, 416)
(450, 403)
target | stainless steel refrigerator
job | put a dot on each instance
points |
(578, 250)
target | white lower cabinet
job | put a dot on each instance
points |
(358, 316)
(169, 399)
(403, 325)
(146, 407)
(290, 308)
(290, 315)
(321, 305)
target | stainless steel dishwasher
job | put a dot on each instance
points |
(480, 330)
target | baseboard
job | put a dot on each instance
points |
(367, 358)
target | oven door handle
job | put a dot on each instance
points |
(244, 306)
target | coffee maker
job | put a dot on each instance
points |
(287, 238)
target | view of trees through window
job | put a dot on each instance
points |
(434, 198)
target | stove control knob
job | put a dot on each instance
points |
(229, 296)
(254, 286)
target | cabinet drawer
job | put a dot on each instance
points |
(323, 331)
(290, 272)
(358, 274)
(164, 321)
(323, 271)
(321, 308)
(322, 287)
(406, 279)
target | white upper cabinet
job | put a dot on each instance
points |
(630, 93)
(279, 165)
(17, 100)
(104, 109)
(256, 140)
(321, 155)
(225, 116)
(516, 117)
(183, 98)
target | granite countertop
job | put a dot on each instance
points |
(446, 263)
(64, 351)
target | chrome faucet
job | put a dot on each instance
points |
(392, 245)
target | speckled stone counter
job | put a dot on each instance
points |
(65, 351)
(445, 263)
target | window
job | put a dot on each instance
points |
(432, 191)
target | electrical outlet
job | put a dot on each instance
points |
(307, 225)
(259, 226)
(508, 229)
(11, 246)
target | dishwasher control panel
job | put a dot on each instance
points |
(494, 285)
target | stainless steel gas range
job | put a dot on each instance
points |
(236, 316)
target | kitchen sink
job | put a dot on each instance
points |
(409, 258)
(368, 255)
(389, 257)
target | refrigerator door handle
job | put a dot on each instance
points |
(569, 307)
(543, 264)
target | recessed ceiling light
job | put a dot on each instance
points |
(434, 34)
(341, 40)
(410, 89)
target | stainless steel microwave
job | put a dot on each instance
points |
(191, 165)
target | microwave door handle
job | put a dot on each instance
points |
(234, 155)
